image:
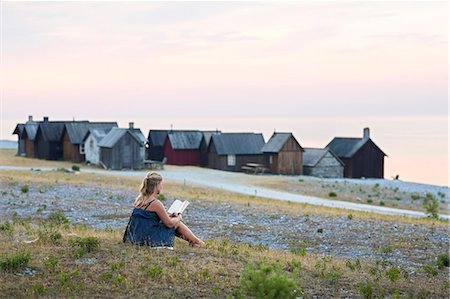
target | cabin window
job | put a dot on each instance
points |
(82, 148)
(231, 160)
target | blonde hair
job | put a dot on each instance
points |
(147, 188)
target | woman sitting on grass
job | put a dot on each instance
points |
(150, 224)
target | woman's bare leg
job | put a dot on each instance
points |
(185, 233)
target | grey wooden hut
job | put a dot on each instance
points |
(123, 149)
(48, 141)
(361, 156)
(283, 154)
(231, 151)
(73, 135)
(322, 162)
(91, 144)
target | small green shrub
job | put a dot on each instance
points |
(393, 274)
(161, 197)
(350, 216)
(430, 269)
(39, 289)
(382, 203)
(15, 263)
(353, 266)
(75, 168)
(369, 201)
(299, 250)
(84, 245)
(443, 261)
(25, 189)
(332, 194)
(58, 218)
(64, 278)
(51, 262)
(415, 197)
(431, 205)
(154, 272)
(366, 289)
(7, 228)
(266, 281)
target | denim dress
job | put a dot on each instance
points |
(146, 228)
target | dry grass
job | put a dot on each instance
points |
(120, 270)
(179, 190)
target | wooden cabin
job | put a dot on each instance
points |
(155, 144)
(26, 136)
(48, 141)
(231, 151)
(123, 149)
(361, 156)
(91, 145)
(19, 129)
(322, 162)
(73, 135)
(283, 154)
(183, 147)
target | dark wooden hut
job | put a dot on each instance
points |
(361, 156)
(155, 144)
(322, 162)
(74, 134)
(26, 135)
(283, 154)
(123, 149)
(231, 151)
(183, 147)
(19, 129)
(48, 141)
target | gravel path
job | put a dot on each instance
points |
(405, 245)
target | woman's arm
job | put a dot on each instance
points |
(159, 209)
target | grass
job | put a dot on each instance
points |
(110, 268)
(77, 261)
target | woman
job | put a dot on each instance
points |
(150, 224)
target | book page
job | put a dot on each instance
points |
(175, 207)
(178, 206)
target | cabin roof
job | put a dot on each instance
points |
(115, 134)
(181, 140)
(312, 156)
(276, 142)
(347, 147)
(51, 131)
(77, 130)
(238, 143)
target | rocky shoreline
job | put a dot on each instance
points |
(402, 244)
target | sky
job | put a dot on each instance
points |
(243, 66)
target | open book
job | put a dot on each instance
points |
(178, 206)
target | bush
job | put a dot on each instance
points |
(366, 289)
(75, 168)
(154, 272)
(58, 218)
(431, 205)
(266, 281)
(7, 228)
(85, 245)
(25, 189)
(332, 194)
(393, 274)
(16, 262)
(443, 261)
